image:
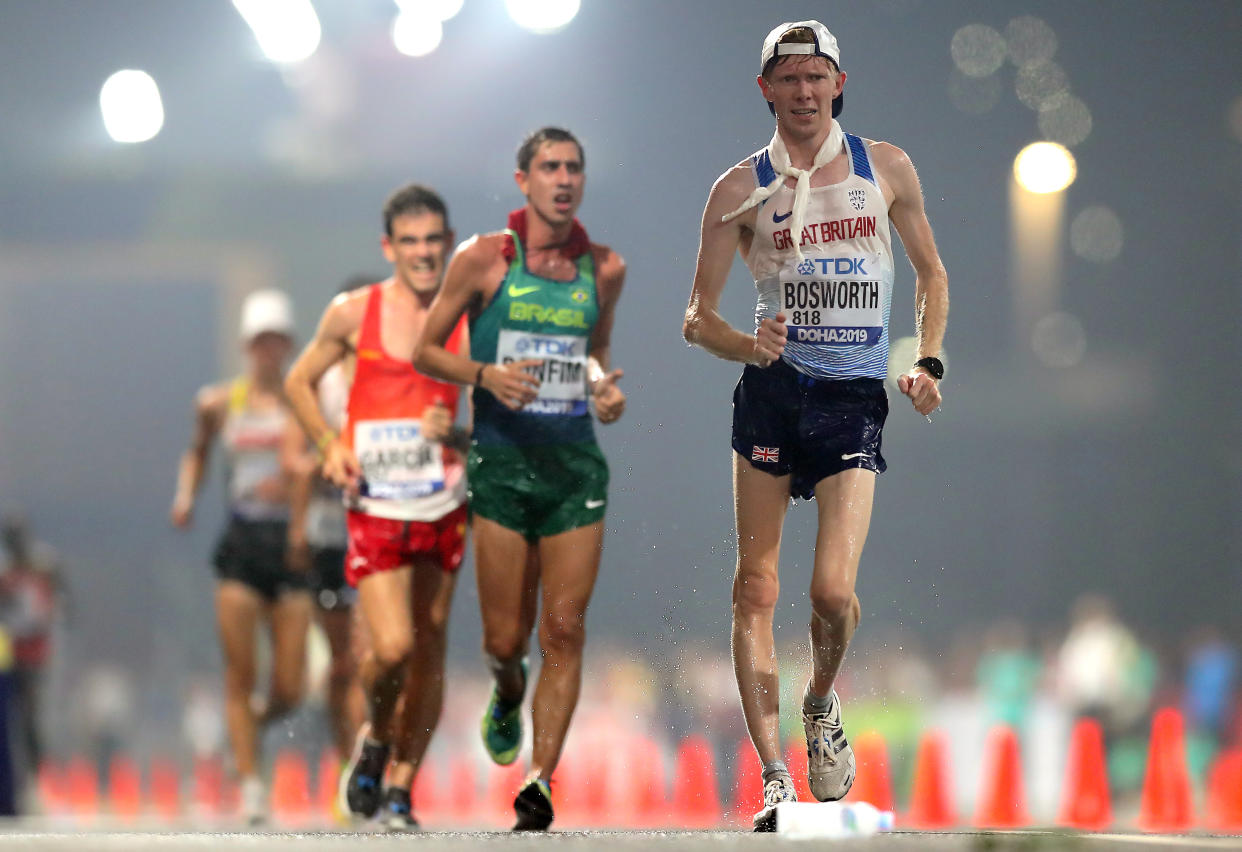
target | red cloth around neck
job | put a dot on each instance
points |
(577, 245)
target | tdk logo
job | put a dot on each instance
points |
(394, 432)
(833, 266)
(547, 346)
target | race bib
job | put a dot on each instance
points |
(834, 301)
(397, 463)
(562, 374)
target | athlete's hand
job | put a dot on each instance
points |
(182, 511)
(923, 390)
(769, 341)
(511, 384)
(437, 422)
(298, 554)
(609, 399)
(340, 466)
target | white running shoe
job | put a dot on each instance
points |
(253, 795)
(779, 789)
(829, 758)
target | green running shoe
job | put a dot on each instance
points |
(502, 726)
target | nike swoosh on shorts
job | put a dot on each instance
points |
(594, 504)
(853, 456)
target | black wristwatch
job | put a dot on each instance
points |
(934, 367)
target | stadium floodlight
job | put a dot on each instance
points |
(542, 16)
(1044, 167)
(416, 32)
(441, 10)
(287, 30)
(131, 106)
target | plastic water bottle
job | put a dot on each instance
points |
(804, 820)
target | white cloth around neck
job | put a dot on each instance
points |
(778, 154)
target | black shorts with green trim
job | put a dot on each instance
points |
(538, 491)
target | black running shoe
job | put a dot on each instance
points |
(360, 789)
(397, 815)
(533, 806)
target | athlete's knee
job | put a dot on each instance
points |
(504, 644)
(563, 629)
(756, 591)
(239, 680)
(391, 650)
(834, 602)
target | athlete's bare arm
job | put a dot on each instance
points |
(300, 469)
(210, 407)
(931, 281)
(473, 274)
(704, 326)
(331, 343)
(609, 398)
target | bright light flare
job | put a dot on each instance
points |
(1044, 167)
(131, 106)
(542, 16)
(416, 33)
(287, 30)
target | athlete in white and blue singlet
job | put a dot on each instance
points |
(810, 214)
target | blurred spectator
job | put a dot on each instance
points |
(31, 590)
(1008, 674)
(1211, 678)
(1102, 671)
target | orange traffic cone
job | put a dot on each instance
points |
(1166, 804)
(502, 787)
(208, 787)
(572, 781)
(290, 787)
(165, 792)
(1086, 804)
(795, 761)
(1002, 802)
(82, 785)
(747, 785)
(53, 797)
(1225, 792)
(327, 779)
(931, 800)
(650, 801)
(425, 796)
(124, 789)
(872, 784)
(464, 794)
(696, 799)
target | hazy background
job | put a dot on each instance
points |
(1095, 451)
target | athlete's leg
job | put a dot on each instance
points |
(423, 697)
(844, 501)
(501, 561)
(289, 620)
(760, 501)
(239, 609)
(346, 702)
(569, 564)
(384, 601)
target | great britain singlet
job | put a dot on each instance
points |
(252, 441)
(837, 300)
(404, 476)
(535, 317)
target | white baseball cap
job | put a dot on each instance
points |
(825, 45)
(266, 311)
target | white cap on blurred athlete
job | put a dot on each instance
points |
(825, 45)
(266, 311)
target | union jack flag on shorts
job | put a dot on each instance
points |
(765, 454)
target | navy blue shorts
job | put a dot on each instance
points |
(788, 423)
(253, 552)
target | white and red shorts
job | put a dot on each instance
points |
(384, 544)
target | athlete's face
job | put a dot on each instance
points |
(553, 186)
(802, 89)
(268, 352)
(418, 249)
